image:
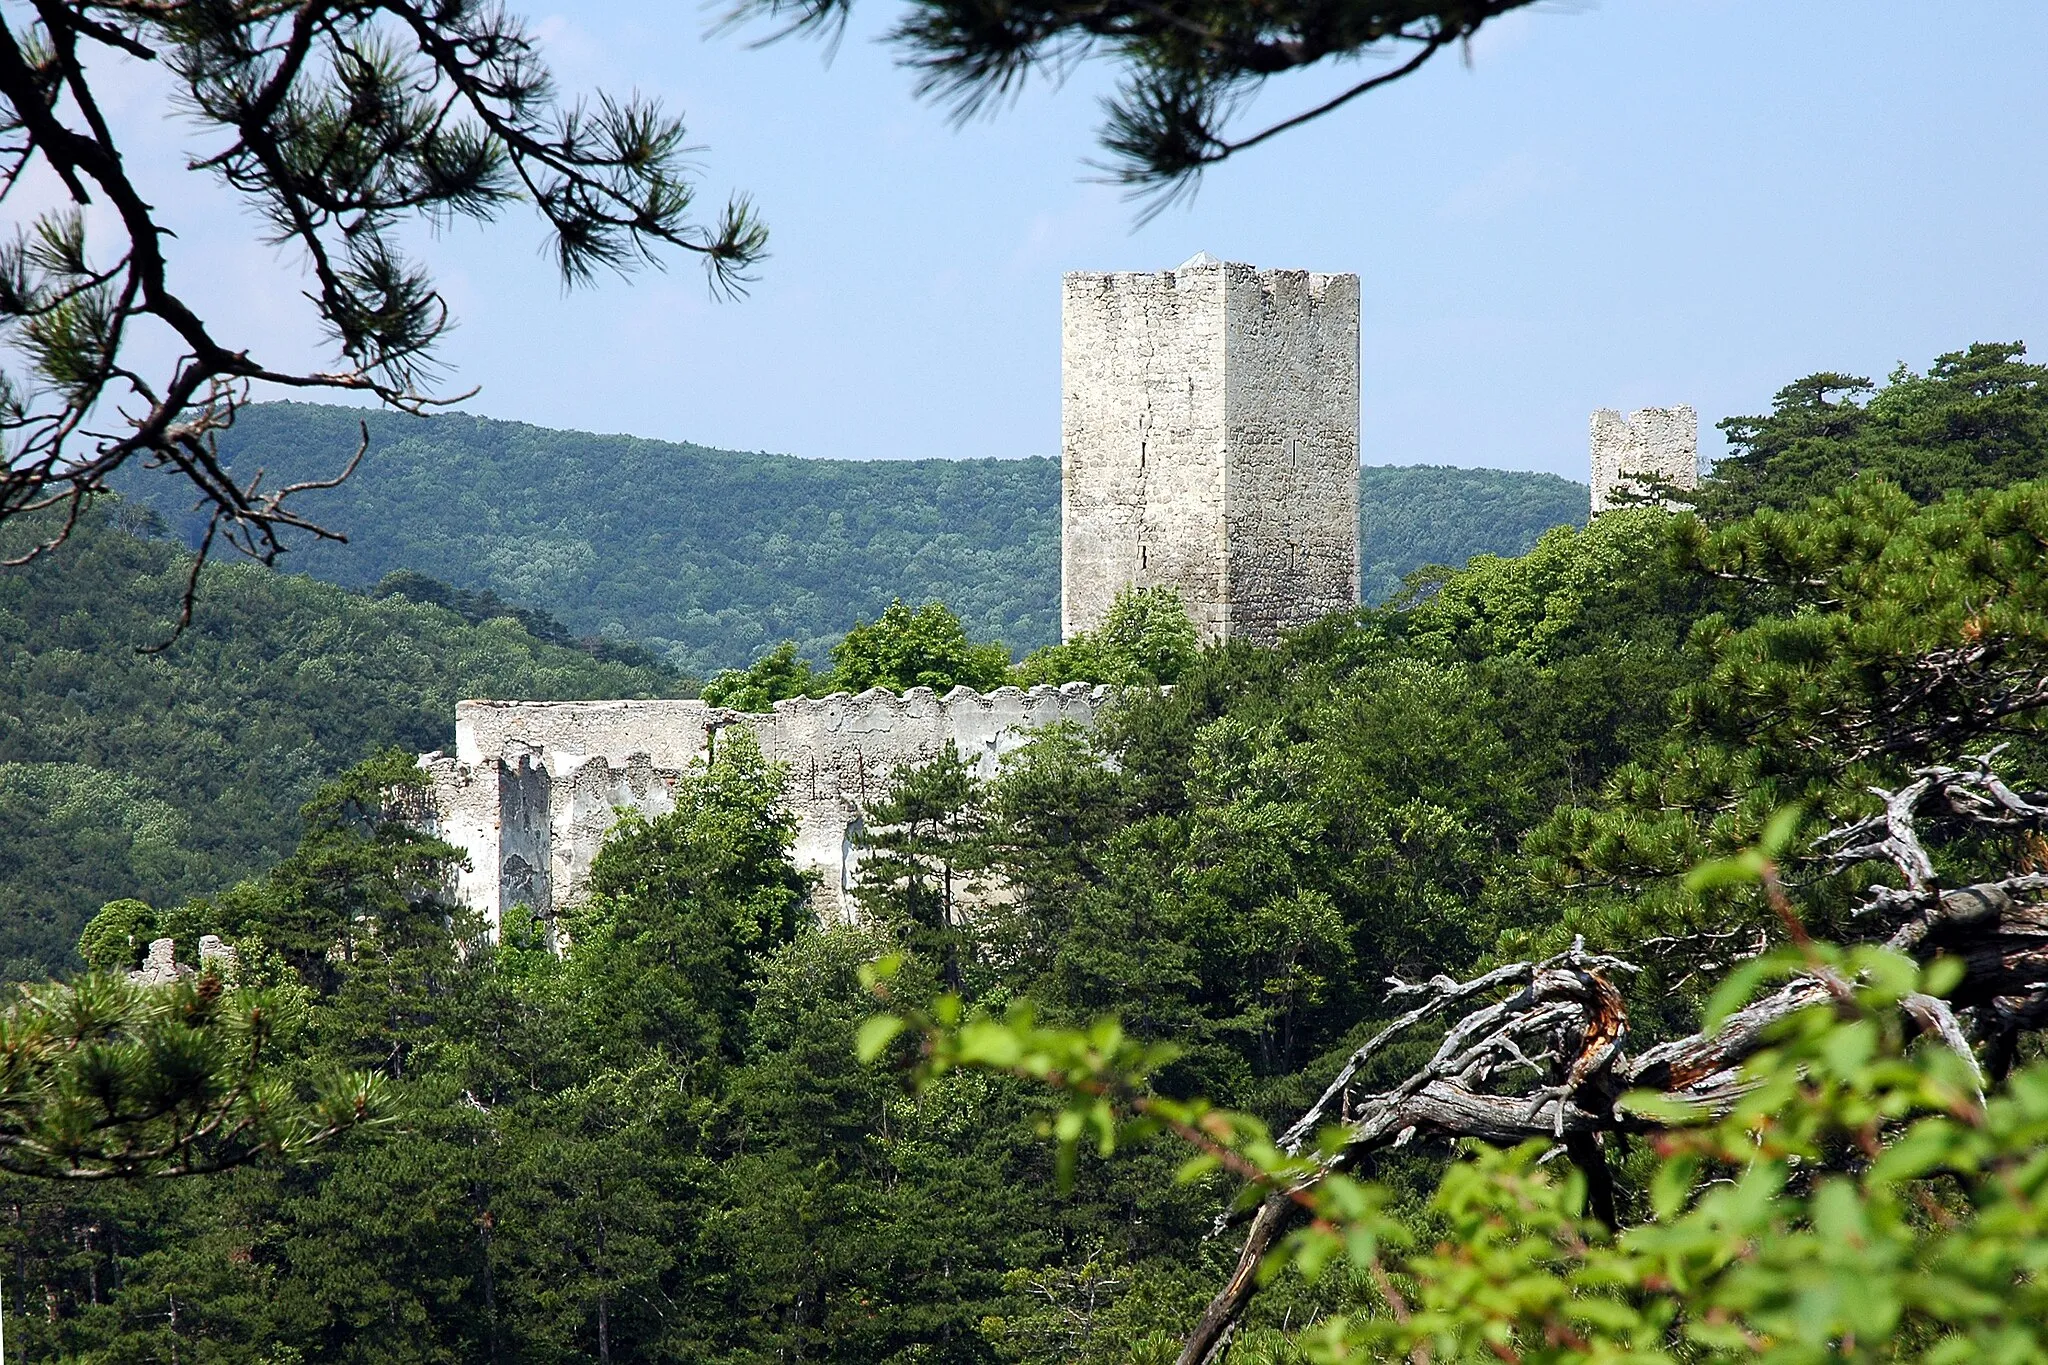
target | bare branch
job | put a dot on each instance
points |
(1566, 1022)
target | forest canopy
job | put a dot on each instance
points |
(711, 558)
(1632, 946)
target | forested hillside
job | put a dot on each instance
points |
(1524, 896)
(1414, 515)
(710, 557)
(169, 774)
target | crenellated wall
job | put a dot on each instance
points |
(532, 787)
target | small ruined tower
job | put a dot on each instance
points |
(1650, 445)
(1209, 441)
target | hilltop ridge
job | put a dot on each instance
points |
(709, 557)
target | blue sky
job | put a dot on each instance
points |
(1619, 204)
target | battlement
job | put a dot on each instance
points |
(533, 787)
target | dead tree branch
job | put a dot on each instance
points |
(1561, 1031)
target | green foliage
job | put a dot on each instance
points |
(923, 846)
(710, 557)
(165, 775)
(1978, 419)
(1843, 649)
(926, 647)
(1413, 516)
(707, 557)
(775, 676)
(681, 907)
(72, 834)
(1785, 1254)
(898, 650)
(1145, 639)
(105, 1079)
(363, 881)
(115, 939)
(479, 607)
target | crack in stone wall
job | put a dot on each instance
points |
(1209, 441)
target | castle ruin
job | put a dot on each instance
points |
(1209, 442)
(533, 787)
(1633, 454)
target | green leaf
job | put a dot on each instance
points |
(1736, 989)
(1780, 830)
(1942, 975)
(1735, 870)
(1662, 1108)
(986, 1042)
(876, 1033)
(1672, 1185)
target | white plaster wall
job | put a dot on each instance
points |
(671, 733)
(842, 754)
(462, 808)
(590, 791)
(1291, 433)
(1655, 444)
(1141, 441)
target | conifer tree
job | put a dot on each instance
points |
(340, 125)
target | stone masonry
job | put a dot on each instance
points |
(532, 787)
(160, 966)
(1650, 445)
(1209, 441)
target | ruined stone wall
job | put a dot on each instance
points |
(1291, 437)
(1649, 445)
(1141, 441)
(533, 787)
(1209, 441)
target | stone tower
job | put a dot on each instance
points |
(1660, 445)
(1209, 441)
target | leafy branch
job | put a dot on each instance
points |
(105, 1078)
(342, 123)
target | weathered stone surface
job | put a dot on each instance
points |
(532, 787)
(1209, 441)
(1210, 428)
(160, 966)
(1650, 445)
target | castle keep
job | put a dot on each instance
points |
(1209, 425)
(1209, 441)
